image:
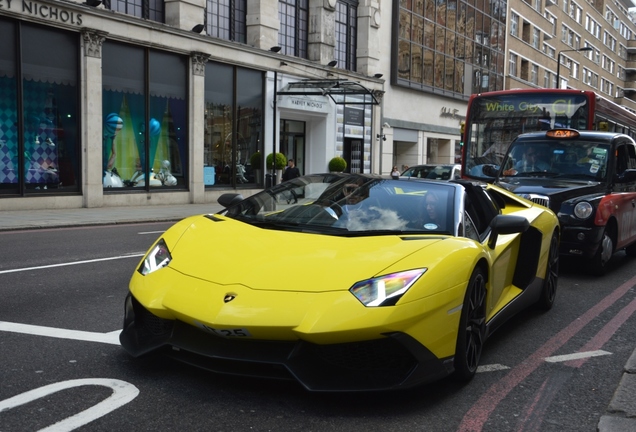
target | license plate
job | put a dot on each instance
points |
(225, 333)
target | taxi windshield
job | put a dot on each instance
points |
(574, 159)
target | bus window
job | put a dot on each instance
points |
(495, 119)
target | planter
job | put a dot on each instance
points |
(337, 164)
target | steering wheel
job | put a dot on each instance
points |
(334, 209)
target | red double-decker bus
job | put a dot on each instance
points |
(494, 119)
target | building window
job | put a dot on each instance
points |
(145, 108)
(534, 74)
(225, 19)
(346, 34)
(439, 43)
(294, 27)
(513, 65)
(536, 38)
(233, 126)
(43, 155)
(148, 9)
(514, 24)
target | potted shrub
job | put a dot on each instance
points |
(256, 163)
(337, 164)
(281, 162)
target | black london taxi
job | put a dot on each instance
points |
(588, 178)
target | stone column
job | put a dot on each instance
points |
(184, 14)
(369, 41)
(262, 23)
(322, 24)
(92, 119)
(196, 133)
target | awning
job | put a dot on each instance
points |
(342, 92)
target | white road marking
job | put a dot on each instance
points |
(132, 255)
(491, 368)
(151, 232)
(576, 356)
(123, 393)
(108, 338)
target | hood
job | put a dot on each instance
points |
(228, 252)
(554, 188)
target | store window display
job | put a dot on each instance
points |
(47, 143)
(140, 153)
(233, 125)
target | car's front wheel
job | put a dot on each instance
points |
(598, 263)
(548, 292)
(472, 327)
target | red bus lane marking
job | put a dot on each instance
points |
(533, 417)
(605, 333)
(478, 414)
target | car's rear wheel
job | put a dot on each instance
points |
(548, 292)
(472, 327)
(598, 263)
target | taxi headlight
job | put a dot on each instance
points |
(583, 210)
(158, 257)
(385, 290)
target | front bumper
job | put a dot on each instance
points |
(395, 361)
(580, 241)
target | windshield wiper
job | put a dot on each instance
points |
(579, 176)
(537, 174)
(394, 232)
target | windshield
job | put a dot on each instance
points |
(438, 172)
(494, 121)
(351, 205)
(573, 159)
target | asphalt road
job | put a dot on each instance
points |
(61, 308)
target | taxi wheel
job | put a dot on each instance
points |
(631, 250)
(598, 263)
(548, 292)
(472, 328)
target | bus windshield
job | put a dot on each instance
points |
(494, 119)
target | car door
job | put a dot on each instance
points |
(482, 210)
(624, 196)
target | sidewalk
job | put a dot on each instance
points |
(620, 415)
(35, 219)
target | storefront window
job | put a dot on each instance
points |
(42, 154)
(136, 155)
(9, 171)
(233, 126)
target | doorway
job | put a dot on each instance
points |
(292, 142)
(352, 154)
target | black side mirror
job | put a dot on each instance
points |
(506, 224)
(626, 176)
(229, 199)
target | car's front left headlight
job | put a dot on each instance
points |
(583, 210)
(158, 257)
(385, 290)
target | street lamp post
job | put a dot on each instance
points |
(558, 77)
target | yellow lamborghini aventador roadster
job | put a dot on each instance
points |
(344, 282)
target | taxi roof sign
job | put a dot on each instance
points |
(562, 133)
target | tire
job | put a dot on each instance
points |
(631, 250)
(472, 328)
(598, 263)
(548, 292)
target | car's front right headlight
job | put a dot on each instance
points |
(158, 257)
(385, 290)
